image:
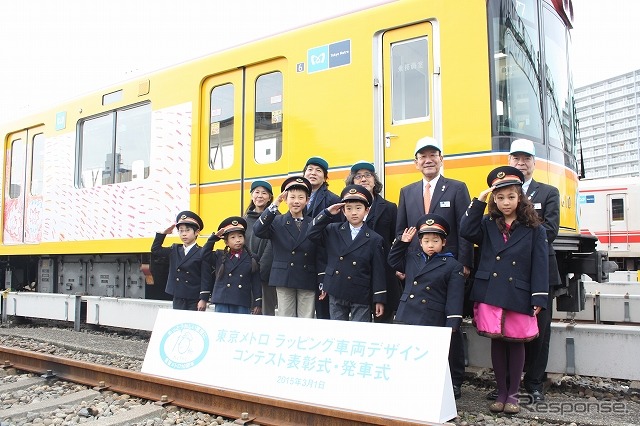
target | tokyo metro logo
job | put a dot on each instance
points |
(184, 346)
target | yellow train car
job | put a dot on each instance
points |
(88, 182)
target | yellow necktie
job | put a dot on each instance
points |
(427, 197)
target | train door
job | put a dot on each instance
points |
(23, 187)
(242, 135)
(618, 222)
(409, 98)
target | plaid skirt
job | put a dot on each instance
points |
(498, 323)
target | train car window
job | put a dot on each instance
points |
(221, 127)
(37, 164)
(559, 105)
(617, 209)
(133, 143)
(268, 118)
(115, 147)
(514, 52)
(18, 164)
(409, 80)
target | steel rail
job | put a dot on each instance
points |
(230, 404)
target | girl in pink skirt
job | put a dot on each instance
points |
(510, 285)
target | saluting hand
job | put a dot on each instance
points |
(169, 229)
(484, 194)
(335, 208)
(280, 198)
(408, 234)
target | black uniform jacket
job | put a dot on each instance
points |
(190, 275)
(450, 200)
(382, 219)
(323, 199)
(237, 284)
(434, 289)
(294, 256)
(355, 268)
(546, 201)
(509, 273)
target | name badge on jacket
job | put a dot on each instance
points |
(445, 203)
(537, 206)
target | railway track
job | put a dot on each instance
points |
(245, 408)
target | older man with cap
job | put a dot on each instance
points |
(448, 198)
(546, 201)
(316, 170)
(190, 281)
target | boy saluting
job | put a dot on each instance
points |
(355, 273)
(189, 280)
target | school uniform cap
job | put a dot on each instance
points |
(189, 218)
(298, 182)
(262, 183)
(363, 165)
(356, 193)
(433, 223)
(523, 145)
(233, 223)
(505, 176)
(318, 161)
(427, 142)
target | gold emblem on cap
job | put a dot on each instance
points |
(430, 222)
(299, 180)
(352, 191)
(500, 175)
(234, 222)
(184, 216)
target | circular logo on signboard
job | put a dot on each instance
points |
(184, 346)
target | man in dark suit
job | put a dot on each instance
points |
(546, 201)
(448, 198)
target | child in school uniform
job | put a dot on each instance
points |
(237, 288)
(189, 280)
(511, 284)
(355, 272)
(434, 282)
(293, 271)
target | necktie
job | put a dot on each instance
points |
(298, 222)
(427, 197)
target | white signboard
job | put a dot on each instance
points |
(396, 371)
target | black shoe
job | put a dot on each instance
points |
(493, 395)
(537, 396)
(457, 392)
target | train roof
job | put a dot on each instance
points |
(608, 183)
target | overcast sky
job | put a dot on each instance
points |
(55, 50)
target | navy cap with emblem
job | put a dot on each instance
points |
(356, 193)
(189, 218)
(433, 223)
(296, 182)
(318, 161)
(505, 176)
(233, 223)
(261, 183)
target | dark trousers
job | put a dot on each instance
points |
(537, 350)
(322, 306)
(185, 304)
(456, 358)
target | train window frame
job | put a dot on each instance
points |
(396, 91)
(116, 134)
(37, 165)
(268, 134)
(18, 168)
(221, 153)
(617, 209)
